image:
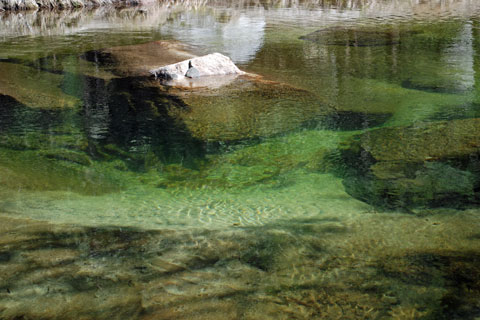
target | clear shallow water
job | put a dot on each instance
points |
(166, 199)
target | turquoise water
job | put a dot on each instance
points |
(340, 183)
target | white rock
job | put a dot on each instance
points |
(214, 64)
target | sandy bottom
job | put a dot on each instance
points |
(368, 266)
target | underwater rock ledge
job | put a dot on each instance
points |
(222, 104)
(432, 164)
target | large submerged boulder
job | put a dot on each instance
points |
(249, 108)
(215, 64)
(138, 59)
(223, 103)
(436, 164)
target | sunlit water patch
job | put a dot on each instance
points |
(152, 209)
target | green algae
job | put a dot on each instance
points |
(38, 141)
(67, 155)
(264, 163)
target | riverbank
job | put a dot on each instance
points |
(14, 5)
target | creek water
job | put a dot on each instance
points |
(341, 185)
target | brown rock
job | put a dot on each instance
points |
(137, 60)
(248, 108)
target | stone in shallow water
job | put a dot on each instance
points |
(214, 64)
(193, 73)
(435, 164)
(227, 107)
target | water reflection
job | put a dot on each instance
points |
(459, 57)
(305, 13)
(96, 108)
(221, 32)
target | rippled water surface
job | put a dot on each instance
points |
(341, 181)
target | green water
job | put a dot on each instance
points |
(249, 200)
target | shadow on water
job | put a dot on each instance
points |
(119, 118)
(126, 119)
(19, 118)
(457, 275)
(462, 111)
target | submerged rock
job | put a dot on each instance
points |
(437, 83)
(42, 171)
(226, 104)
(382, 100)
(34, 88)
(138, 59)
(248, 109)
(435, 165)
(341, 36)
